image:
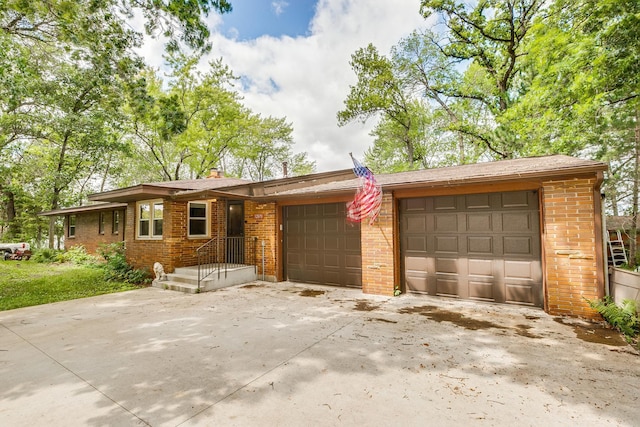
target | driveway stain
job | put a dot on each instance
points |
(310, 293)
(595, 333)
(458, 319)
(365, 306)
(523, 331)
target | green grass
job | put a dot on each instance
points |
(26, 283)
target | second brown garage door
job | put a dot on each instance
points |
(478, 246)
(321, 246)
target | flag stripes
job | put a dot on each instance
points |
(368, 199)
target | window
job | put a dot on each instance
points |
(101, 223)
(72, 226)
(150, 219)
(198, 223)
(115, 222)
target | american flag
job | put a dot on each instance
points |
(368, 196)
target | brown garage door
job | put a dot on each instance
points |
(479, 246)
(321, 246)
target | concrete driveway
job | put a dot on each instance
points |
(291, 355)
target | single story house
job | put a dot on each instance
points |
(524, 231)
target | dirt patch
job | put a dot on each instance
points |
(251, 286)
(378, 319)
(365, 306)
(595, 333)
(458, 319)
(311, 293)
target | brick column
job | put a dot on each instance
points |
(260, 219)
(569, 241)
(378, 251)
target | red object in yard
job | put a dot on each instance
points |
(18, 255)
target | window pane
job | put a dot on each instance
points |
(144, 228)
(157, 227)
(197, 227)
(115, 227)
(157, 210)
(197, 210)
(145, 211)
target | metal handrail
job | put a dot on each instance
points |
(222, 253)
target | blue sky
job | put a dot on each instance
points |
(251, 19)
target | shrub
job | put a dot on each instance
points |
(624, 318)
(117, 269)
(76, 255)
(46, 255)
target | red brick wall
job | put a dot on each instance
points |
(175, 249)
(260, 222)
(87, 230)
(378, 249)
(570, 242)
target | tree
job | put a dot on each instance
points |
(63, 81)
(268, 147)
(492, 35)
(186, 130)
(410, 91)
(381, 90)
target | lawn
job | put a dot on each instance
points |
(26, 283)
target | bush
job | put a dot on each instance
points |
(46, 255)
(624, 318)
(117, 269)
(76, 255)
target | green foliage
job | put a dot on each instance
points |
(46, 255)
(117, 269)
(24, 284)
(65, 71)
(199, 123)
(76, 255)
(624, 318)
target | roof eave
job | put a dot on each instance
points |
(132, 194)
(81, 209)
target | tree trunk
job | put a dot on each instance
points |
(14, 227)
(57, 189)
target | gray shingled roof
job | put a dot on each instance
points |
(473, 173)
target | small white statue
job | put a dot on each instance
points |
(158, 269)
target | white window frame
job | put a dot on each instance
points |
(152, 219)
(206, 219)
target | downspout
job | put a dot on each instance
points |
(605, 238)
(600, 220)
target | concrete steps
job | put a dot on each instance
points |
(185, 279)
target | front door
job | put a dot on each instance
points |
(235, 232)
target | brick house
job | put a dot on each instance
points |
(525, 231)
(93, 225)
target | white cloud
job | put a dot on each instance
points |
(279, 6)
(307, 78)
